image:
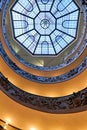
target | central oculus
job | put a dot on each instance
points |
(45, 23)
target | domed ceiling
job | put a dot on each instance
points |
(43, 61)
(45, 27)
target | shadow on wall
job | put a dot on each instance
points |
(1, 128)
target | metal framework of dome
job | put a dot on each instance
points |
(45, 27)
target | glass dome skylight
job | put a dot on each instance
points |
(44, 27)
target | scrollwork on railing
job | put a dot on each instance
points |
(72, 73)
(67, 104)
(84, 2)
(2, 2)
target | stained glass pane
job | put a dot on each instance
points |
(45, 27)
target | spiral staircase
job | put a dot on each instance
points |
(42, 92)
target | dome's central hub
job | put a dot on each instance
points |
(45, 23)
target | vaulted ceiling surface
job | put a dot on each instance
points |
(26, 118)
(29, 119)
